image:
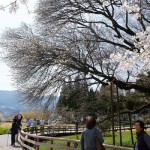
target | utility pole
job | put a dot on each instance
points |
(130, 122)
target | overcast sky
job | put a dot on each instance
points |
(13, 20)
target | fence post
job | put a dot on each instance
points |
(51, 144)
(68, 144)
(75, 145)
(65, 129)
(21, 135)
(70, 129)
(37, 146)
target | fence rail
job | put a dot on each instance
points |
(54, 129)
(34, 142)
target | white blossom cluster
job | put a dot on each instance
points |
(127, 6)
(133, 60)
(13, 5)
(23, 1)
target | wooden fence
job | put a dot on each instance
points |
(35, 142)
(54, 129)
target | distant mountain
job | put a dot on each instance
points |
(10, 102)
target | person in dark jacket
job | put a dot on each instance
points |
(143, 139)
(14, 130)
(18, 118)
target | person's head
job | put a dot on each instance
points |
(90, 122)
(18, 117)
(139, 126)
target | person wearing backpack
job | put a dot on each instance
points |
(142, 139)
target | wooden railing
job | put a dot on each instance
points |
(34, 142)
(54, 129)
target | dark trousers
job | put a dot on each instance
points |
(34, 129)
(13, 138)
(28, 129)
(42, 129)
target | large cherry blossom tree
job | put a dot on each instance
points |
(102, 41)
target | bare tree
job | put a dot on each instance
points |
(103, 26)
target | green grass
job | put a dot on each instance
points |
(4, 130)
(61, 143)
(74, 137)
(126, 139)
(5, 127)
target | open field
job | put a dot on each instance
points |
(126, 138)
(5, 127)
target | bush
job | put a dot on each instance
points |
(105, 126)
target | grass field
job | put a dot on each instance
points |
(5, 127)
(108, 140)
(126, 139)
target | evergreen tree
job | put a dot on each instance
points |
(73, 95)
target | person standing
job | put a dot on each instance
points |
(89, 135)
(49, 122)
(14, 131)
(42, 121)
(28, 123)
(142, 139)
(18, 118)
(34, 125)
